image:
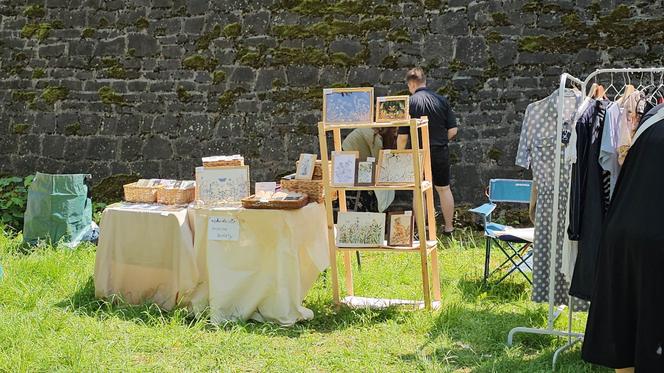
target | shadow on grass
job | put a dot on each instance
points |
(327, 318)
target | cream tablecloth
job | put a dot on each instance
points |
(266, 274)
(146, 254)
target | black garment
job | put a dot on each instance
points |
(425, 102)
(650, 113)
(625, 327)
(440, 165)
(593, 202)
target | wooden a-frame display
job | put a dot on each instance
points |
(423, 208)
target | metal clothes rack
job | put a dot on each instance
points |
(554, 312)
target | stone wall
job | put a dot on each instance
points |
(149, 86)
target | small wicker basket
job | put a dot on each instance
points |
(253, 203)
(135, 193)
(176, 196)
(312, 188)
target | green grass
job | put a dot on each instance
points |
(50, 320)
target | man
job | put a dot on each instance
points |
(442, 129)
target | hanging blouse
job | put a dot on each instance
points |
(628, 123)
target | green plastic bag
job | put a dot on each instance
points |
(58, 209)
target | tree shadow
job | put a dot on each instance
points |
(327, 318)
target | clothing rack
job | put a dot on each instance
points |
(554, 310)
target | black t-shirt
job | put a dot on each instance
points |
(425, 102)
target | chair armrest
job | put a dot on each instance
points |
(484, 210)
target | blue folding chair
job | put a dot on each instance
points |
(515, 244)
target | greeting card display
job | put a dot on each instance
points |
(222, 185)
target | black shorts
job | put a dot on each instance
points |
(440, 165)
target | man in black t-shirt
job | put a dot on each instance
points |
(442, 129)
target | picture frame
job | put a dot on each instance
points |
(344, 168)
(305, 166)
(222, 184)
(395, 167)
(360, 229)
(366, 173)
(348, 105)
(392, 108)
(400, 228)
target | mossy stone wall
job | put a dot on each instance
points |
(147, 87)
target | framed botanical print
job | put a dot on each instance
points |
(224, 184)
(305, 167)
(360, 229)
(344, 167)
(400, 229)
(395, 167)
(392, 108)
(366, 172)
(348, 105)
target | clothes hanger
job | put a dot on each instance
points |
(611, 89)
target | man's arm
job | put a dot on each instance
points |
(451, 133)
(402, 141)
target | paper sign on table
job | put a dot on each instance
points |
(269, 186)
(222, 228)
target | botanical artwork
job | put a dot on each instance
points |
(365, 173)
(348, 105)
(305, 167)
(218, 185)
(360, 229)
(343, 168)
(391, 108)
(400, 232)
(395, 167)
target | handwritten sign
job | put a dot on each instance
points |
(222, 228)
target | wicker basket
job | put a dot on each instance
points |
(254, 203)
(224, 163)
(312, 188)
(134, 193)
(176, 196)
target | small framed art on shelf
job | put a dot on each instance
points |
(344, 167)
(360, 229)
(348, 105)
(305, 167)
(392, 108)
(400, 229)
(366, 172)
(395, 167)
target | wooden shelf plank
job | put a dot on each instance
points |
(414, 249)
(382, 303)
(425, 186)
(329, 127)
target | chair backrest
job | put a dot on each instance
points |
(509, 190)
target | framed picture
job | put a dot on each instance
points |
(395, 167)
(224, 184)
(392, 108)
(305, 167)
(360, 229)
(344, 165)
(348, 105)
(365, 173)
(400, 229)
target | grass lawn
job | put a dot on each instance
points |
(50, 320)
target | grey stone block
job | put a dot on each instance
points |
(113, 47)
(350, 47)
(256, 23)
(267, 76)
(53, 146)
(302, 76)
(157, 148)
(143, 44)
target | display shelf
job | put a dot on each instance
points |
(432, 244)
(422, 206)
(420, 123)
(426, 185)
(383, 303)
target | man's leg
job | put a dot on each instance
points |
(447, 206)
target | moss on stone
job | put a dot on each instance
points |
(131, 52)
(456, 65)
(232, 30)
(183, 94)
(23, 95)
(500, 19)
(449, 91)
(432, 4)
(494, 37)
(53, 94)
(204, 41)
(109, 190)
(228, 98)
(495, 154)
(298, 56)
(103, 23)
(218, 76)
(113, 68)
(88, 33)
(198, 62)
(109, 96)
(73, 129)
(251, 58)
(290, 31)
(40, 30)
(320, 8)
(399, 36)
(38, 73)
(142, 23)
(21, 128)
(390, 61)
(277, 83)
(341, 59)
(572, 21)
(331, 28)
(34, 11)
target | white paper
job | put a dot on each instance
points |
(222, 228)
(371, 159)
(267, 186)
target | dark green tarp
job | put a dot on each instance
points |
(58, 209)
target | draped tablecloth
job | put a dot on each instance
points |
(146, 254)
(267, 272)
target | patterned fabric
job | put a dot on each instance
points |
(537, 151)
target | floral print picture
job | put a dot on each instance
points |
(344, 167)
(396, 167)
(348, 105)
(221, 185)
(392, 108)
(360, 229)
